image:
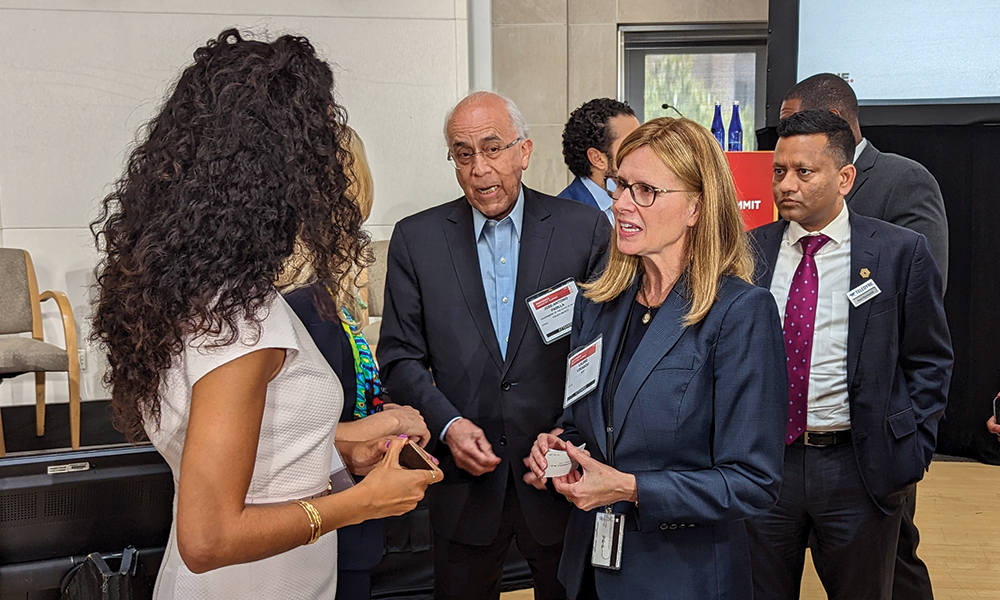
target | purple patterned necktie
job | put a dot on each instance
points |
(800, 315)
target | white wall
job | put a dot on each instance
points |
(78, 78)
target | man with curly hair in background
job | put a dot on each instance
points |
(590, 140)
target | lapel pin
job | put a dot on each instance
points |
(865, 273)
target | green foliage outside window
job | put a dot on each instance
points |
(693, 83)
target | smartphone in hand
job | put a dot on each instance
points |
(412, 456)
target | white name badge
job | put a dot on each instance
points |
(583, 369)
(559, 462)
(863, 293)
(552, 310)
(609, 529)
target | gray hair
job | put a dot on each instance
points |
(516, 118)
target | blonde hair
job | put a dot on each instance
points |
(359, 175)
(717, 244)
(298, 271)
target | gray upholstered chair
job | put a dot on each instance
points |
(21, 312)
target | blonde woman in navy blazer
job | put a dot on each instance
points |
(698, 396)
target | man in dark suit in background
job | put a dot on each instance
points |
(887, 186)
(590, 142)
(458, 343)
(901, 191)
(866, 397)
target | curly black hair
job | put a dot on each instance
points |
(245, 158)
(588, 127)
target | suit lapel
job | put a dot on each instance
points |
(864, 164)
(613, 327)
(864, 255)
(465, 257)
(661, 335)
(768, 244)
(535, 237)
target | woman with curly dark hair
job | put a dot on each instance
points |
(206, 359)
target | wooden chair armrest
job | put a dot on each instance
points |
(69, 324)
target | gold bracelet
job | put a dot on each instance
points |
(315, 521)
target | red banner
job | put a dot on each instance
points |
(752, 173)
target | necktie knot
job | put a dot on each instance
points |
(812, 243)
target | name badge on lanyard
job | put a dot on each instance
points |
(609, 529)
(552, 310)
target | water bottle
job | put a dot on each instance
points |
(735, 129)
(717, 129)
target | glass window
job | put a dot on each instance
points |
(691, 68)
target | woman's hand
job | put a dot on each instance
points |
(408, 422)
(543, 443)
(392, 421)
(993, 426)
(361, 457)
(391, 490)
(598, 485)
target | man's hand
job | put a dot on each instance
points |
(471, 449)
(993, 426)
(599, 485)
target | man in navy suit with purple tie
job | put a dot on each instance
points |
(869, 365)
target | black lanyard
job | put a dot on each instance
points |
(611, 387)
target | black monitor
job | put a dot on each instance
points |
(57, 507)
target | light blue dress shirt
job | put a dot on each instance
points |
(600, 196)
(498, 244)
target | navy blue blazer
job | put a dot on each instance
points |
(899, 356)
(579, 192)
(699, 419)
(360, 546)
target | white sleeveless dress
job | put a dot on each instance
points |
(301, 411)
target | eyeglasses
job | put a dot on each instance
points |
(464, 157)
(643, 194)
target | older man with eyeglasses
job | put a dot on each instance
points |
(459, 344)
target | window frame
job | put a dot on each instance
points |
(635, 42)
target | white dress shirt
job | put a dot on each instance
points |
(828, 405)
(860, 148)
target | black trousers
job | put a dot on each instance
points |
(911, 580)
(465, 572)
(854, 542)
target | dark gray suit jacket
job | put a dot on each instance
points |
(438, 351)
(901, 191)
(899, 356)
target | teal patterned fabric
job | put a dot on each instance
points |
(369, 397)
